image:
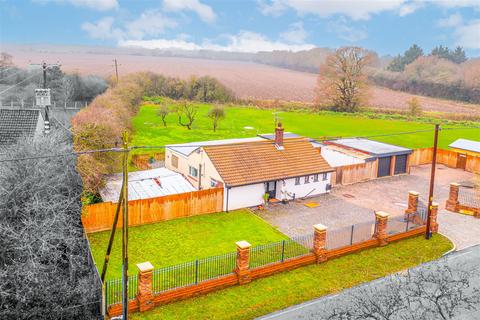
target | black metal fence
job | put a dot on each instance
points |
(193, 272)
(113, 290)
(350, 235)
(280, 251)
(403, 223)
(469, 197)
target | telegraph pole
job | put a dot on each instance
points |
(116, 68)
(125, 227)
(428, 233)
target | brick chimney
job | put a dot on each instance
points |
(279, 136)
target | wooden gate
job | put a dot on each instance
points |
(461, 161)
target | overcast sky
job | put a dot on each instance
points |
(387, 26)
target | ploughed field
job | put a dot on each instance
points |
(248, 122)
(247, 80)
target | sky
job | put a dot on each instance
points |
(386, 26)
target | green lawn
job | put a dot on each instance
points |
(149, 130)
(182, 240)
(285, 289)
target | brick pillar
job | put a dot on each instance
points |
(320, 242)
(433, 218)
(145, 293)
(392, 165)
(412, 202)
(452, 202)
(381, 219)
(243, 262)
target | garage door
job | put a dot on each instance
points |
(384, 166)
(401, 164)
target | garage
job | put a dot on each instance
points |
(384, 166)
(400, 164)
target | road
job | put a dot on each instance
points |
(310, 310)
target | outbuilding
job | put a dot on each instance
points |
(464, 148)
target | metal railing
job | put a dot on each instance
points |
(193, 272)
(350, 235)
(280, 251)
(113, 290)
(403, 223)
(469, 197)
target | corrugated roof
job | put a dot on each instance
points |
(465, 144)
(146, 184)
(260, 161)
(187, 148)
(372, 147)
(15, 123)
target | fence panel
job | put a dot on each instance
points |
(469, 197)
(347, 236)
(215, 266)
(399, 224)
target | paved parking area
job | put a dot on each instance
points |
(347, 205)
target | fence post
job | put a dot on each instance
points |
(433, 218)
(320, 242)
(452, 202)
(145, 292)
(412, 205)
(242, 268)
(283, 250)
(381, 219)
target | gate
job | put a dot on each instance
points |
(384, 166)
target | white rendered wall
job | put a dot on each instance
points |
(303, 189)
(338, 159)
(244, 196)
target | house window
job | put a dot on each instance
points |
(297, 181)
(213, 183)
(315, 178)
(174, 161)
(192, 171)
(307, 179)
(325, 176)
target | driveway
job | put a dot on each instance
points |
(352, 204)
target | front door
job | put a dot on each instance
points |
(384, 166)
(461, 161)
(271, 189)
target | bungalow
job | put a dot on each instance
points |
(284, 168)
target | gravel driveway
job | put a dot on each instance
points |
(347, 205)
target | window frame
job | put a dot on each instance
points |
(315, 177)
(190, 171)
(174, 161)
(307, 180)
(325, 177)
(297, 181)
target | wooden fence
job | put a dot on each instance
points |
(445, 157)
(356, 173)
(99, 217)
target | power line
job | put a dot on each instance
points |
(28, 78)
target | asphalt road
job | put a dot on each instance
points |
(464, 259)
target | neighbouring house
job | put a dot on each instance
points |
(284, 167)
(17, 123)
(359, 159)
(146, 184)
(464, 148)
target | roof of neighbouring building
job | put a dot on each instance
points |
(261, 161)
(146, 184)
(376, 148)
(465, 144)
(15, 123)
(187, 148)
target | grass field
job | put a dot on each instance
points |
(149, 130)
(182, 240)
(285, 289)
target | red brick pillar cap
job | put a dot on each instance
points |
(455, 184)
(381, 214)
(243, 245)
(145, 267)
(413, 193)
(320, 227)
(434, 204)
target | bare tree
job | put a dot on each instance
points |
(216, 113)
(68, 88)
(342, 82)
(45, 271)
(434, 292)
(163, 112)
(187, 110)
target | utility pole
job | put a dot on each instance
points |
(428, 233)
(125, 227)
(116, 68)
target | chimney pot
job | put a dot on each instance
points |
(279, 135)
